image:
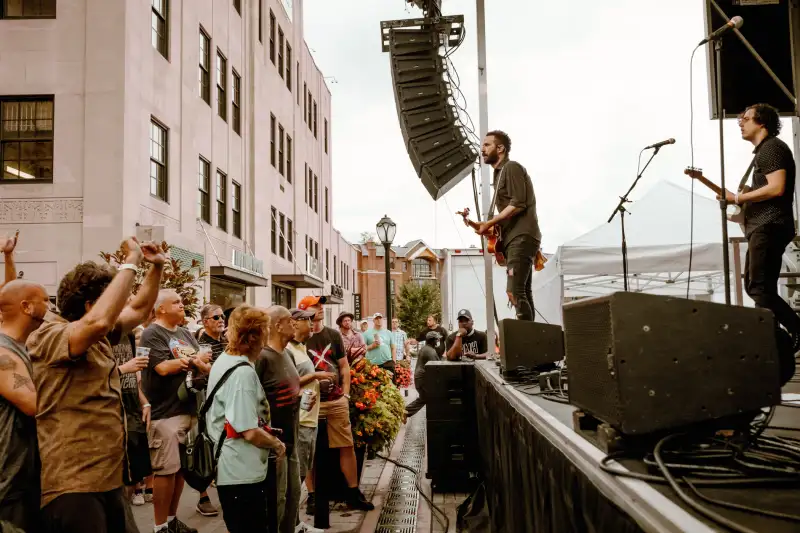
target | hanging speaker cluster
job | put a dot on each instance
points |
(435, 140)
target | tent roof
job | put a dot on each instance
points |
(657, 229)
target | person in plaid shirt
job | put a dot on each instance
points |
(400, 339)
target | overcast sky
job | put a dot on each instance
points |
(581, 87)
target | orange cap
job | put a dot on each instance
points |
(310, 301)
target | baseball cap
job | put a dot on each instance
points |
(377, 315)
(465, 313)
(299, 314)
(310, 301)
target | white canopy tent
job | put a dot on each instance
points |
(657, 228)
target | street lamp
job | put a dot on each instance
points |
(386, 230)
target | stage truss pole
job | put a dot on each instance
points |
(483, 128)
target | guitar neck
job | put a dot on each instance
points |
(711, 185)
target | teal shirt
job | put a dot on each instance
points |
(241, 401)
(382, 353)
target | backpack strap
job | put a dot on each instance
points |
(209, 399)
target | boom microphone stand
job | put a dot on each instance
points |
(622, 210)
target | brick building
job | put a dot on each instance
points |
(414, 262)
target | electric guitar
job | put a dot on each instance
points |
(495, 242)
(735, 213)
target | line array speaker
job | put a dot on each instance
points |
(436, 142)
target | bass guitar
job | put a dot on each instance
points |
(495, 245)
(735, 213)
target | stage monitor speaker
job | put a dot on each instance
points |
(645, 363)
(528, 345)
(768, 28)
(450, 391)
(436, 142)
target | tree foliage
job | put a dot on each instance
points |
(367, 236)
(185, 281)
(415, 302)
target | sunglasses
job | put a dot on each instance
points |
(214, 317)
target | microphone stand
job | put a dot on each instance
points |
(723, 202)
(622, 210)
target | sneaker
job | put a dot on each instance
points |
(357, 501)
(176, 526)
(310, 505)
(302, 527)
(206, 508)
(138, 499)
(148, 497)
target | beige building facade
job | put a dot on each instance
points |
(205, 122)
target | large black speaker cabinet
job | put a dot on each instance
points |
(644, 363)
(768, 28)
(435, 140)
(529, 345)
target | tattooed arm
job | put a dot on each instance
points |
(15, 383)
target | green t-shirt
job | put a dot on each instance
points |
(241, 402)
(382, 353)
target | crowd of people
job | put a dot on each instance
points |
(98, 395)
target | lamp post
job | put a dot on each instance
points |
(386, 230)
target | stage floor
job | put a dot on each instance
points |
(654, 507)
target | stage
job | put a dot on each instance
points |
(541, 476)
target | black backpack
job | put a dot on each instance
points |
(198, 457)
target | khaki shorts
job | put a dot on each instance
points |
(164, 437)
(306, 444)
(340, 433)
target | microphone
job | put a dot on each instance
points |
(659, 145)
(736, 22)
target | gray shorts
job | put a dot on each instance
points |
(306, 443)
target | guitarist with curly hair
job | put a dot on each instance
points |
(767, 208)
(516, 217)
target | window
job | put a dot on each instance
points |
(289, 240)
(420, 268)
(289, 67)
(158, 23)
(335, 272)
(315, 119)
(281, 133)
(282, 236)
(326, 204)
(29, 9)
(308, 120)
(288, 159)
(316, 250)
(310, 188)
(205, 67)
(236, 104)
(237, 5)
(305, 182)
(237, 209)
(272, 139)
(260, 21)
(316, 194)
(298, 81)
(327, 266)
(274, 236)
(326, 135)
(204, 191)
(272, 36)
(305, 102)
(158, 160)
(26, 139)
(280, 51)
(222, 201)
(222, 86)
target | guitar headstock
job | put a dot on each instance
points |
(693, 172)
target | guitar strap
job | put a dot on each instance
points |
(746, 175)
(494, 196)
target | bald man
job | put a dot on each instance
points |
(24, 305)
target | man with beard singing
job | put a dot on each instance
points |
(516, 218)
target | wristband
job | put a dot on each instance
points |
(128, 266)
(736, 198)
(145, 406)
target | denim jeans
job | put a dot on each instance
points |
(519, 268)
(288, 474)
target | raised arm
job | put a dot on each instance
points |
(15, 383)
(8, 246)
(139, 309)
(102, 317)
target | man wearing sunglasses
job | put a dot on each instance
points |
(213, 321)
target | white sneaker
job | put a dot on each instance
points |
(302, 527)
(138, 499)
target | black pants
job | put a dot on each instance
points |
(21, 511)
(244, 507)
(766, 246)
(88, 512)
(415, 406)
(519, 267)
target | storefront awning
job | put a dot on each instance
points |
(238, 276)
(298, 281)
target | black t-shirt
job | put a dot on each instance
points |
(771, 155)
(442, 336)
(278, 375)
(513, 186)
(162, 391)
(327, 345)
(426, 355)
(217, 346)
(473, 344)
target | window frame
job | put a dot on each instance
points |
(4, 11)
(222, 201)
(4, 142)
(281, 44)
(288, 66)
(281, 135)
(164, 18)
(274, 233)
(272, 132)
(327, 265)
(326, 204)
(272, 36)
(282, 235)
(289, 149)
(204, 180)
(326, 135)
(315, 119)
(261, 21)
(204, 81)
(222, 85)
(236, 102)
(154, 122)
(316, 194)
(236, 208)
(289, 240)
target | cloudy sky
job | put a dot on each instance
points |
(580, 86)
